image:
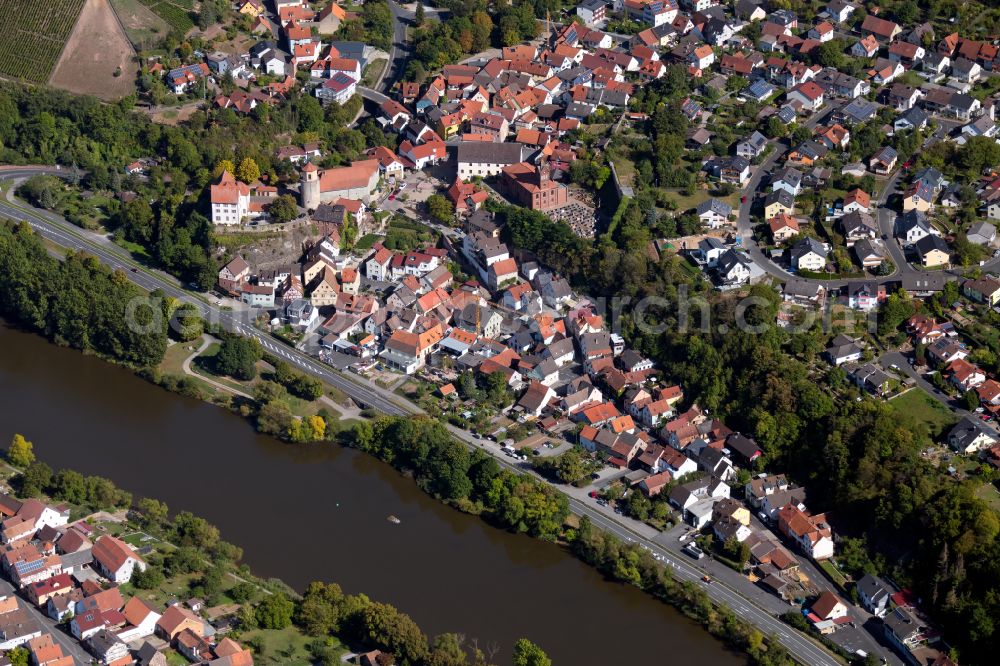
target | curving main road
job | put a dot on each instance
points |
(61, 232)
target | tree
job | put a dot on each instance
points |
(396, 632)
(830, 54)
(186, 323)
(527, 653)
(148, 579)
(440, 208)
(238, 357)
(319, 612)
(243, 592)
(36, 479)
(154, 512)
(19, 656)
(248, 171)
(208, 15)
(21, 452)
(275, 611)
(222, 166)
(418, 15)
(283, 209)
(46, 200)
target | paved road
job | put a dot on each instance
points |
(743, 224)
(372, 95)
(400, 51)
(368, 394)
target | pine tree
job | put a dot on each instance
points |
(418, 17)
(46, 200)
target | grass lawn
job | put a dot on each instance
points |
(834, 574)
(237, 239)
(989, 494)
(139, 539)
(373, 71)
(175, 658)
(366, 242)
(687, 202)
(136, 250)
(287, 646)
(917, 407)
(174, 357)
(176, 586)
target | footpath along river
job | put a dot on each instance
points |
(319, 513)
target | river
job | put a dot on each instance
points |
(304, 513)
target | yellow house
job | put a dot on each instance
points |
(312, 270)
(730, 509)
(935, 258)
(778, 203)
(933, 251)
(985, 290)
(252, 8)
(783, 227)
(449, 125)
(916, 202)
(326, 291)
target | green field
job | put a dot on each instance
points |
(176, 12)
(144, 28)
(34, 36)
(916, 407)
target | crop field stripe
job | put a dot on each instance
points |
(38, 33)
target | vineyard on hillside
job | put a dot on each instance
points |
(35, 33)
(178, 13)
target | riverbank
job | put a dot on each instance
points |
(337, 499)
(184, 558)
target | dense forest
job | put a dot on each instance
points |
(77, 302)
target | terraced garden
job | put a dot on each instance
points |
(35, 33)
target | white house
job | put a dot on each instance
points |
(141, 620)
(970, 435)
(115, 560)
(713, 213)
(377, 266)
(808, 254)
(17, 626)
(809, 94)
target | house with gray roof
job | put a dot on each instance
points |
(808, 254)
(713, 212)
(981, 233)
(752, 146)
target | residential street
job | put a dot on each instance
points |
(886, 217)
(69, 644)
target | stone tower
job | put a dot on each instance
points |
(309, 188)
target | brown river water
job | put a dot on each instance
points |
(319, 513)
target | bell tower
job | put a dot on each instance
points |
(309, 189)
